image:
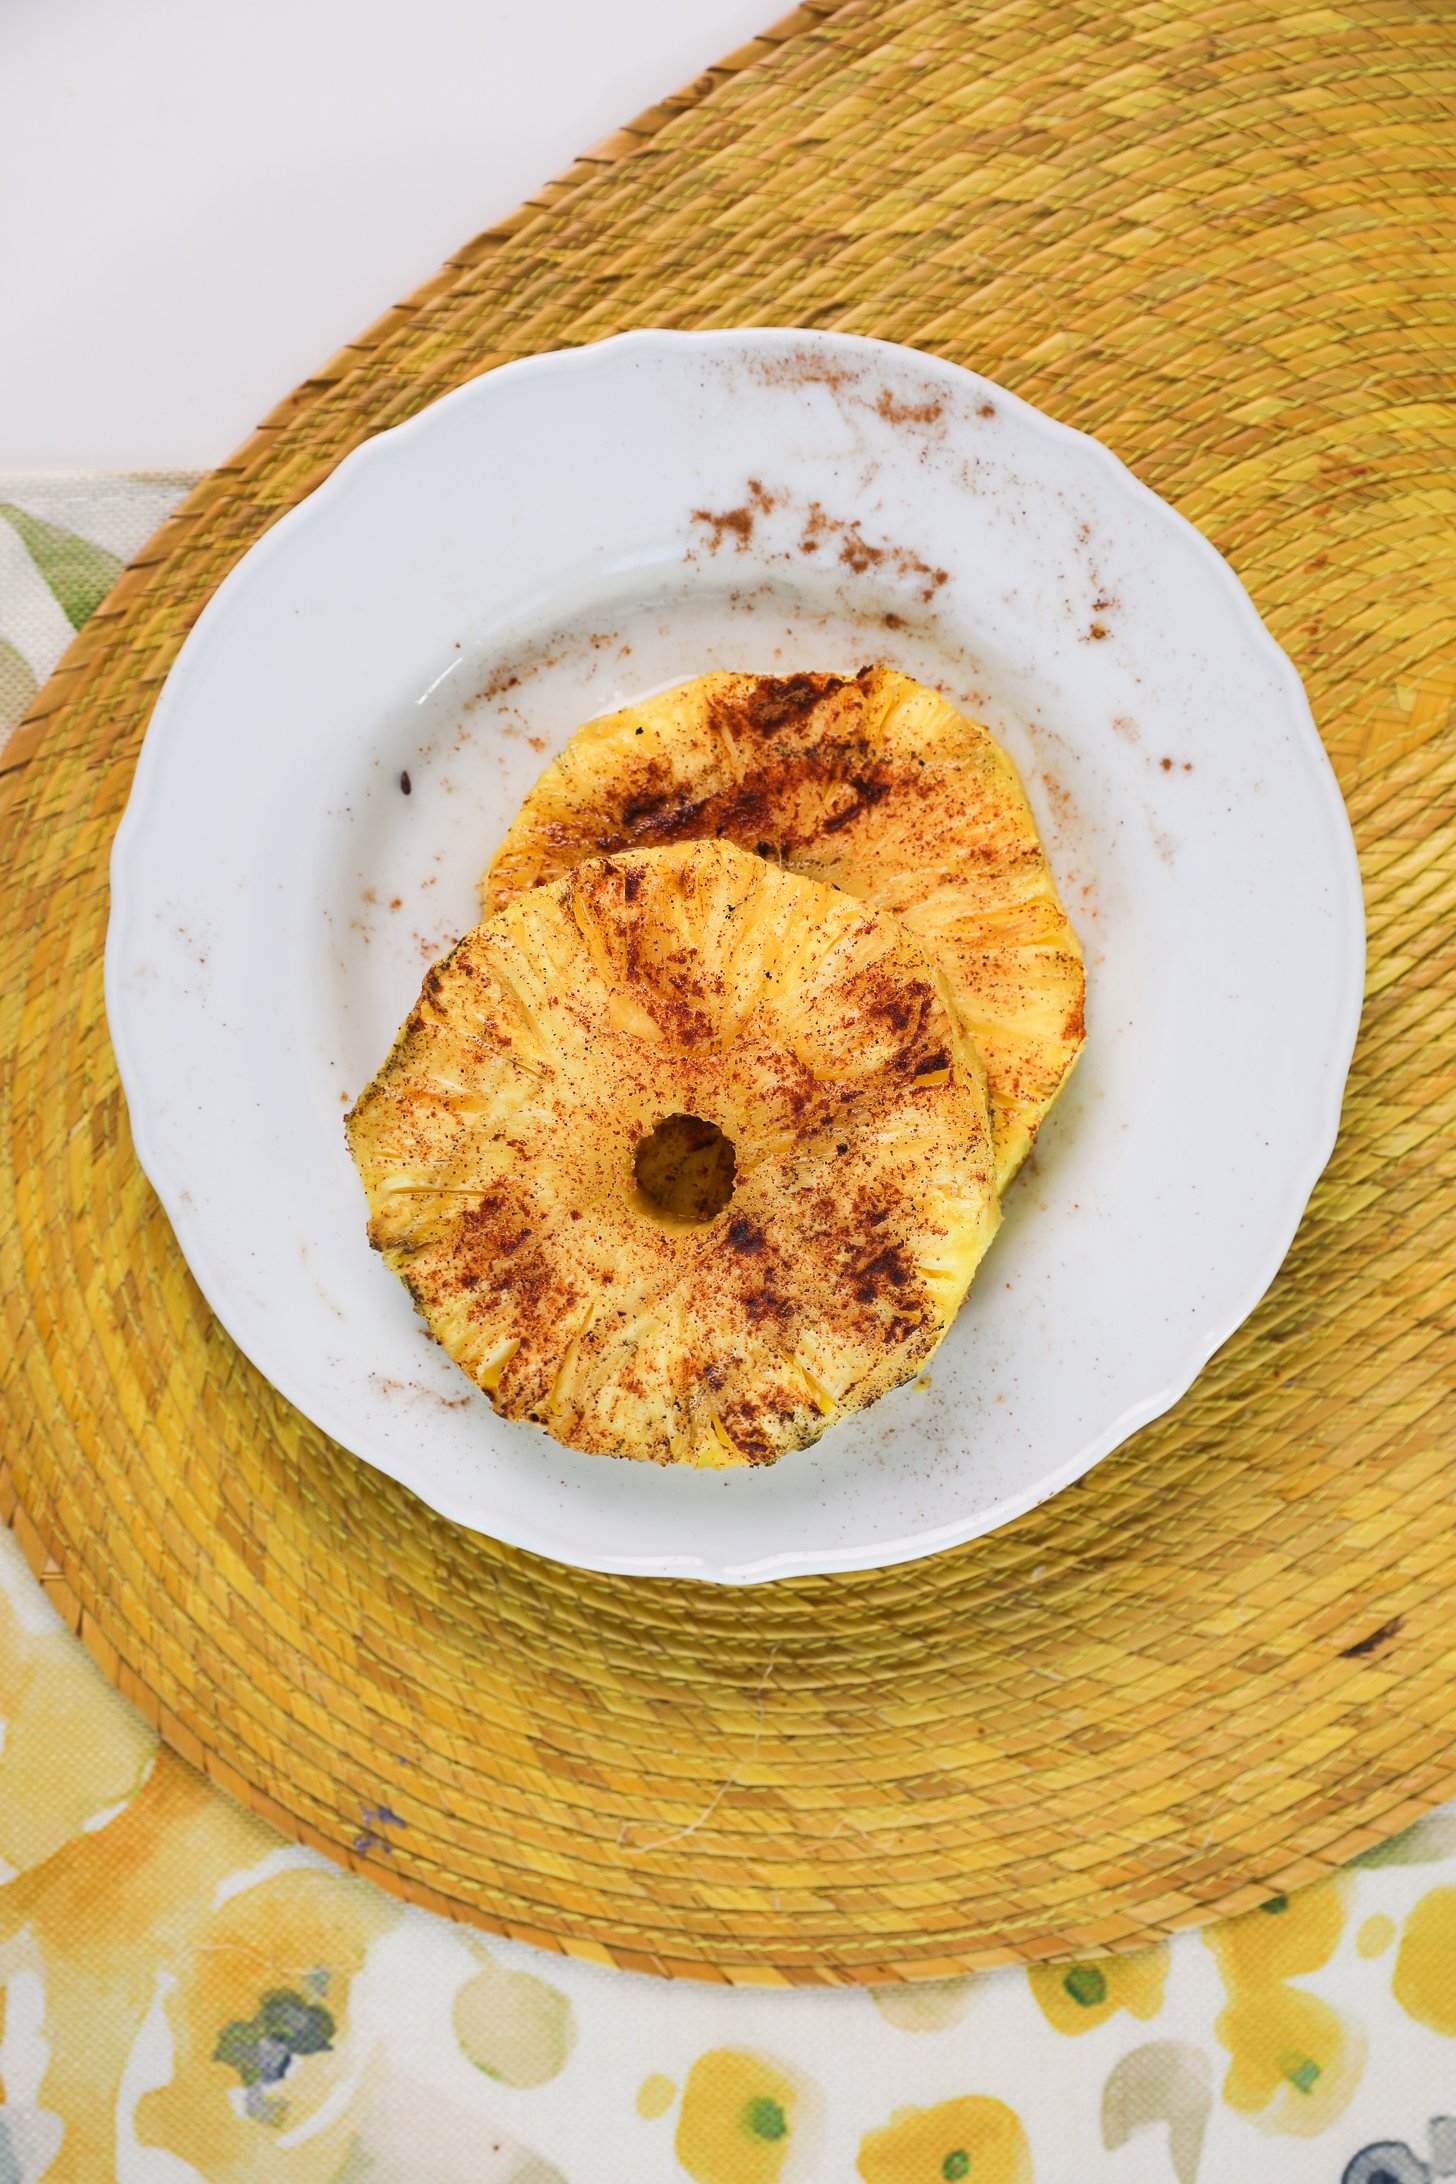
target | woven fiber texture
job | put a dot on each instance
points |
(1219, 237)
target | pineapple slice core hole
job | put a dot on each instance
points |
(685, 1171)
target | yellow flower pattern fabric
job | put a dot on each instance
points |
(747, 2118)
(1425, 1970)
(513, 2026)
(1163, 2082)
(928, 2005)
(1075, 1997)
(187, 1999)
(973, 2138)
(261, 2044)
(70, 1754)
(1295, 2059)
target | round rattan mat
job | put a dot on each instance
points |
(1224, 1662)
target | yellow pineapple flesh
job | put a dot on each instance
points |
(874, 784)
(682, 1156)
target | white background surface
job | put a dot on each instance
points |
(203, 202)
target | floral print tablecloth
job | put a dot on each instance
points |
(187, 1999)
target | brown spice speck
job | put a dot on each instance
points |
(746, 1235)
(857, 553)
(804, 370)
(405, 784)
(497, 687)
(908, 413)
(734, 523)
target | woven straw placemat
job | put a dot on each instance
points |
(1220, 237)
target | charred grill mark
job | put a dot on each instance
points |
(869, 790)
(758, 812)
(884, 1278)
(645, 813)
(773, 703)
(744, 1424)
(676, 818)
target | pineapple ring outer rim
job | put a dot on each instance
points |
(612, 736)
(613, 1061)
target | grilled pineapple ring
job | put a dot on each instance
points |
(875, 785)
(682, 1157)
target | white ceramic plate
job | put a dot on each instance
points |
(577, 530)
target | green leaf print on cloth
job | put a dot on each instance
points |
(78, 573)
(1428, 1841)
(17, 686)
